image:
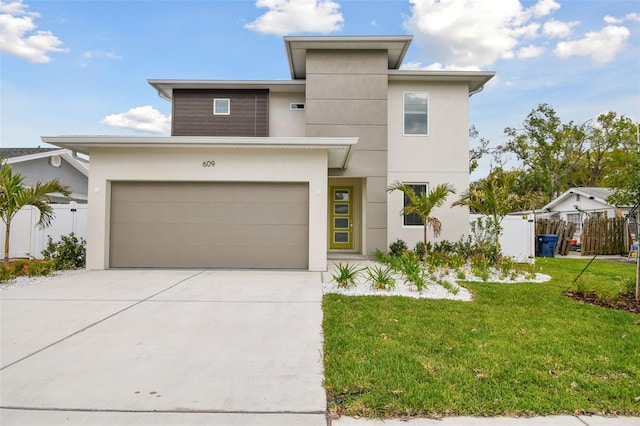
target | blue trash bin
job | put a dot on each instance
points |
(547, 245)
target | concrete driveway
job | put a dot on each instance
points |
(162, 347)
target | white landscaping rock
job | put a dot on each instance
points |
(431, 290)
(23, 281)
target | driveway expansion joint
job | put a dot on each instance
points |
(177, 411)
(99, 321)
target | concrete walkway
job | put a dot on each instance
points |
(163, 347)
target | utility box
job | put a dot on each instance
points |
(547, 245)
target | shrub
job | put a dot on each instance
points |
(398, 247)
(412, 270)
(25, 267)
(68, 253)
(380, 279)
(421, 249)
(345, 275)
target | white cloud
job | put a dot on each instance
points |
(628, 17)
(19, 35)
(88, 56)
(466, 34)
(296, 16)
(545, 7)
(602, 46)
(558, 29)
(530, 51)
(141, 119)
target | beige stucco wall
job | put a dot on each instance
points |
(241, 165)
(346, 95)
(282, 120)
(440, 157)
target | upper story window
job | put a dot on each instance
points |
(413, 219)
(416, 117)
(221, 106)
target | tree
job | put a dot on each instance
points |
(494, 196)
(422, 204)
(625, 182)
(610, 134)
(475, 154)
(624, 177)
(14, 195)
(548, 149)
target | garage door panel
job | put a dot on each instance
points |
(151, 235)
(183, 224)
(204, 192)
(230, 257)
(241, 213)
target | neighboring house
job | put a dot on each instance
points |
(283, 173)
(44, 164)
(577, 204)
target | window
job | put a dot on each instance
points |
(413, 219)
(416, 107)
(221, 106)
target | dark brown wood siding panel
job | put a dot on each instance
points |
(193, 113)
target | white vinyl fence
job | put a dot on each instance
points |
(28, 240)
(518, 237)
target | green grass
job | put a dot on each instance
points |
(517, 349)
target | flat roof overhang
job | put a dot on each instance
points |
(297, 47)
(475, 79)
(165, 88)
(338, 149)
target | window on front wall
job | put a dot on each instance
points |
(221, 106)
(416, 107)
(413, 219)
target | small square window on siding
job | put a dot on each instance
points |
(416, 107)
(413, 219)
(221, 106)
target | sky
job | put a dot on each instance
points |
(80, 67)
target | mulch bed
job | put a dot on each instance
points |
(627, 302)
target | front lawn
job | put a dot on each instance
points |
(516, 349)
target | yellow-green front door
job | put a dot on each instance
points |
(341, 217)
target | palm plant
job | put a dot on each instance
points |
(14, 195)
(494, 196)
(422, 204)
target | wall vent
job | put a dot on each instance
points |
(56, 161)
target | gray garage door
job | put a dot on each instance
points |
(196, 224)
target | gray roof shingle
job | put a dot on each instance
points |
(19, 152)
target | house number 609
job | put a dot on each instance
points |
(210, 163)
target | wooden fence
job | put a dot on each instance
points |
(564, 230)
(605, 236)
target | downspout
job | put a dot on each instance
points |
(163, 96)
(478, 90)
(74, 154)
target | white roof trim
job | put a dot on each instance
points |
(339, 149)
(66, 154)
(165, 88)
(297, 46)
(579, 191)
(475, 79)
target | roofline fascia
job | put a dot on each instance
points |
(213, 84)
(406, 39)
(36, 156)
(65, 153)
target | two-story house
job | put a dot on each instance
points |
(283, 173)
